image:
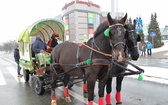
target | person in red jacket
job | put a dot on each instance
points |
(53, 41)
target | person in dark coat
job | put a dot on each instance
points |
(143, 49)
(139, 44)
(53, 41)
(17, 57)
(39, 46)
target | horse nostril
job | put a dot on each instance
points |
(119, 57)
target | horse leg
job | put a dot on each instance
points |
(90, 86)
(84, 87)
(102, 84)
(118, 89)
(66, 93)
(108, 91)
(53, 97)
(53, 86)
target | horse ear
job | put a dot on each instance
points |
(123, 20)
(109, 19)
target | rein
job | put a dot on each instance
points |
(105, 54)
(129, 71)
(100, 52)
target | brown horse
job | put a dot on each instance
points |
(131, 46)
(70, 59)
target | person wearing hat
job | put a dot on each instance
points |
(39, 46)
(53, 41)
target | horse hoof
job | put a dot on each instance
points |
(68, 99)
(53, 102)
(108, 104)
(119, 103)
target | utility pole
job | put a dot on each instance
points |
(113, 8)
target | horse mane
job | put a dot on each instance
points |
(101, 28)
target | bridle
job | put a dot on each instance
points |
(118, 43)
(131, 33)
(111, 27)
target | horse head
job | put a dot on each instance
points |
(131, 40)
(117, 37)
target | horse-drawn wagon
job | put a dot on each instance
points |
(28, 61)
(101, 57)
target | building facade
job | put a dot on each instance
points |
(165, 34)
(80, 18)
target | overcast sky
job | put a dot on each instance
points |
(16, 15)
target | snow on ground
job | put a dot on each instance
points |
(155, 74)
(163, 48)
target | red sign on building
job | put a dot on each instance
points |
(89, 3)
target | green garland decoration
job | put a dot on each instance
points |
(140, 78)
(106, 32)
(48, 60)
(88, 62)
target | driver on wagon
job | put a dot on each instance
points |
(39, 46)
